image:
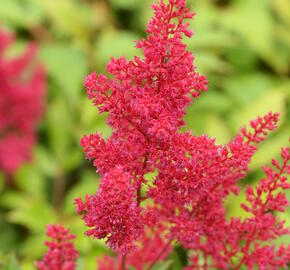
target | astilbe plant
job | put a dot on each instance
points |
(22, 91)
(141, 219)
(61, 254)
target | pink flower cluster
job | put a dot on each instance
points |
(145, 99)
(22, 84)
(151, 243)
(61, 253)
(124, 224)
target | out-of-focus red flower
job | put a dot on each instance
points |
(22, 93)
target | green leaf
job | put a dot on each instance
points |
(282, 7)
(9, 235)
(196, 123)
(179, 258)
(274, 100)
(233, 206)
(27, 264)
(124, 4)
(210, 124)
(19, 13)
(208, 62)
(92, 121)
(67, 66)
(27, 210)
(115, 44)
(216, 127)
(257, 30)
(211, 39)
(74, 158)
(143, 14)
(30, 180)
(66, 17)
(270, 149)
(33, 247)
(162, 265)
(87, 185)
(44, 161)
(59, 124)
(176, 265)
(212, 102)
(247, 88)
(11, 263)
(242, 59)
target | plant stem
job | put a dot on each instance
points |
(123, 263)
(9, 179)
(58, 190)
(139, 195)
(140, 184)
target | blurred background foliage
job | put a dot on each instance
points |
(242, 46)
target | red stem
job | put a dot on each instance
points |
(281, 171)
(9, 179)
(123, 263)
(243, 259)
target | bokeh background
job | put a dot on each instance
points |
(242, 46)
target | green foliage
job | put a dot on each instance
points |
(10, 263)
(162, 265)
(241, 45)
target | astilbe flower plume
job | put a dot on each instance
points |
(22, 91)
(61, 254)
(145, 99)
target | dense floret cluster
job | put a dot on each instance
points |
(61, 254)
(145, 99)
(151, 248)
(22, 91)
(115, 196)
